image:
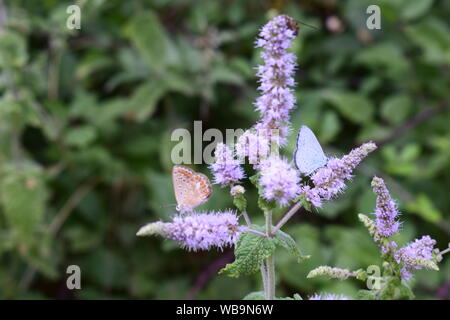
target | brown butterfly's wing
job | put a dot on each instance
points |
(191, 188)
(203, 187)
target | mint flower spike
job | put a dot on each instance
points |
(331, 272)
(226, 169)
(416, 255)
(276, 75)
(330, 180)
(386, 210)
(254, 145)
(328, 296)
(198, 231)
(280, 181)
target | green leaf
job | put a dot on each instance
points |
(386, 58)
(412, 9)
(353, 106)
(240, 202)
(226, 75)
(330, 127)
(145, 98)
(257, 295)
(13, 52)
(266, 205)
(389, 290)
(432, 35)
(366, 295)
(404, 290)
(263, 204)
(424, 207)
(396, 108)
(80, 137)
(250, 251)
(286, 241)
(151, 40)
(297, 296)
(23, 195)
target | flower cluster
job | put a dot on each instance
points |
(328, 296)
(386, 211)
(279, 180)
(255, 145)
(226, 169)
(335, 273)
(276, 75)
(198, 231)
(416, 255)
(330, 180)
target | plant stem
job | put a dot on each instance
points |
(445, 251)
(247, 218)
(264, 277)
(262, 234)
(286, 217)
(270, 263)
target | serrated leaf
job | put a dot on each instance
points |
(240, 203)
(250, 251)
(286, 241)
(22, 197)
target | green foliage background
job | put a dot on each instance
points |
(86, 118)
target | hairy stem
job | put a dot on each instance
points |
(264, 277)
(441, 253)
(262, 234)
(286, 217)
(246, 218)
(270, 263)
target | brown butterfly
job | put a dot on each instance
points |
(191, 188)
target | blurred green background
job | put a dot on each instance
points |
(86, 117)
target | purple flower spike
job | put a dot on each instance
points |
(276, 76)
(416, 255)
(279, 180)
(253, 144)
(226, 169)
(198, 231)
(386, 211)
(330, 180)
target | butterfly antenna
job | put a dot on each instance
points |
(308, 25)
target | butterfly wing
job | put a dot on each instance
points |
(191, 188)
(309, 155)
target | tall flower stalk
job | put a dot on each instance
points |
(280, 185)
(276, 75)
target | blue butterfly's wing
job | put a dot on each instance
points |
(309, 155)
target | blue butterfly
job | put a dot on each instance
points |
(309, 155)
